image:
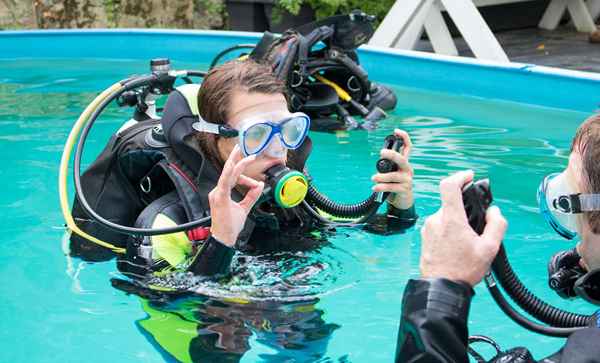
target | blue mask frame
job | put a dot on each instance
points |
(276, 128)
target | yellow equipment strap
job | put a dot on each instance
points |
(345, 96)
(64, 167)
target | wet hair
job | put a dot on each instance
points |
(215, 94)
(587, 143)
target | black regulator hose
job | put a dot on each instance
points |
(476, 198)
(367, 207)
(128, 84)
(534, 306)
(529, 302)
(341, 210)
(218, 57)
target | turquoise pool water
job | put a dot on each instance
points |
(58, 309)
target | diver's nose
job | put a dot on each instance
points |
(275, 149)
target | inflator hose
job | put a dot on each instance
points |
(64, 166)
(126, 86)
(523, 321)
(528, 301)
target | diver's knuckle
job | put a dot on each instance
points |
(446, 184)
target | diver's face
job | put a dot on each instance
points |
(589, 246)
(250, 106)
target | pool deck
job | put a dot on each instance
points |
(562, 48)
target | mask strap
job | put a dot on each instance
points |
(589, 202)
(223, 130)
(577, 203)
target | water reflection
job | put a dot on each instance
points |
(208, 329)
(266, 305)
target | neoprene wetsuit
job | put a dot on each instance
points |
(433, 327)
(268, 228)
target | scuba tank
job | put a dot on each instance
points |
(320, 66)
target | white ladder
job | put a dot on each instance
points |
(582, 14)
(404, 24)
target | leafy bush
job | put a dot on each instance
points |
(325, 8)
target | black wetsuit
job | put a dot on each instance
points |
(268, 227)
(433, 327)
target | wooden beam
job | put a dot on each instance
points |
(395, 22)
(438, 32)
(581, 16)
(475, 30)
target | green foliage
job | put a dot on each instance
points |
(112, 8)
(214, 11)
(325, 8)
(379, 8)
(291, 6)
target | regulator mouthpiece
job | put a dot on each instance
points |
(288, 187)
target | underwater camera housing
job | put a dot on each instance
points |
(477, 197)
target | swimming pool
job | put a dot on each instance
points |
(58, 309)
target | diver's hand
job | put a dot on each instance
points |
(228, 217)
(450, 248)
(399, 182)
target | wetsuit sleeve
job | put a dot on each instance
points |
(433, 325)
(393, 221)
(213, 258)
(581, 347)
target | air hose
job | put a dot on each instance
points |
(562, 323)
(366, 208)
(218, 57)
(341, 210)
(477, 197)
(64, 166)
(85, 121)
(129, 85)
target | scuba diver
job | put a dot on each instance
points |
(222, 170)
(320, 67)
(466, 233)
(242, 98)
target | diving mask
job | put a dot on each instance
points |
(560, 204)
(257, 134)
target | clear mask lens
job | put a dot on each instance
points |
(551, 189)
(256, 137)
(294, 130)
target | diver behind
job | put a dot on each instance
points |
(435, 307)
